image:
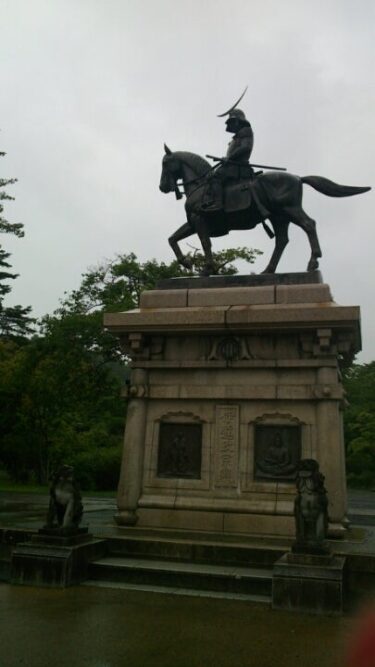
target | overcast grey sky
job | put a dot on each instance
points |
(92, 89)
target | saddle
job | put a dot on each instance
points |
(237, 196)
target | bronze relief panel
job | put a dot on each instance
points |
(180, 451)
(277, 452)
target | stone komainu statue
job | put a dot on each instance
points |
(310, 509)
(65, 506)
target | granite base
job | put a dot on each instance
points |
(313, 584)
(54, 563)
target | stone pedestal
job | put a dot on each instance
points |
(313, 584)
(233, 381)
(55, 557)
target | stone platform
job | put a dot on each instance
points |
(230, 387)
(55, 557)
(309, 584)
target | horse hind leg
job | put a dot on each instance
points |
(280, 226)
(300, 218)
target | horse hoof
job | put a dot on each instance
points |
(208, 271)
(187, 264)
(313, 265)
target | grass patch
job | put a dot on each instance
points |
(7, 486)
(12, 487)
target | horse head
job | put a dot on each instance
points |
(171, 171)
(180, 165)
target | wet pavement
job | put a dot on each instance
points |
(89, 626)
(94, 627)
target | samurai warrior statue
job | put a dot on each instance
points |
(235, 166)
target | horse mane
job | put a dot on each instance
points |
(196, 162)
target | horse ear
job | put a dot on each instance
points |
(167, 150)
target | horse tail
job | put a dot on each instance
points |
(331, 189)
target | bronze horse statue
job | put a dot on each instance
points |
(274, 195)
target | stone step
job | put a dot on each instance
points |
(191, 592)
(195, 551)
(178, 574)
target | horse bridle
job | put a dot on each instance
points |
(177, 186)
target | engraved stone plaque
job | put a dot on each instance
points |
(226, 446)
(180, 451)
(277, 452)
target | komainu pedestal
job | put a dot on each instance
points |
(234, 380)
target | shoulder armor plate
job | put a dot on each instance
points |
(244, 132)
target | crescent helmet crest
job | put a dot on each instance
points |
(226, 113)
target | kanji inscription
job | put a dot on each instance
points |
(226, 445)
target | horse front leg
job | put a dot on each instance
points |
(180, 234)
(281, 239)
(204, 237)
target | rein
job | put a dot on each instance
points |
(192, 180)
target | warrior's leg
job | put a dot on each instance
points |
(213, 200)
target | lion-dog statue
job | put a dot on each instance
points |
(65, 506)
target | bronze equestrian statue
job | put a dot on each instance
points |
(234, 197)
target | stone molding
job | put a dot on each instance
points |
(294, 392)
(277, 418)
(236, 296)
(324, 330)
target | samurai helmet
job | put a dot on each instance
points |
(235, 113)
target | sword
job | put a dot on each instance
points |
(251, 164)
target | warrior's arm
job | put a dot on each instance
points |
(243, 150)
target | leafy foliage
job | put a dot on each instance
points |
(5, 226)
(60, 401)
(359, 420)
(15, 321)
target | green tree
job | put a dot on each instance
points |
(60, 402)
(359, 420)
(14, 320)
